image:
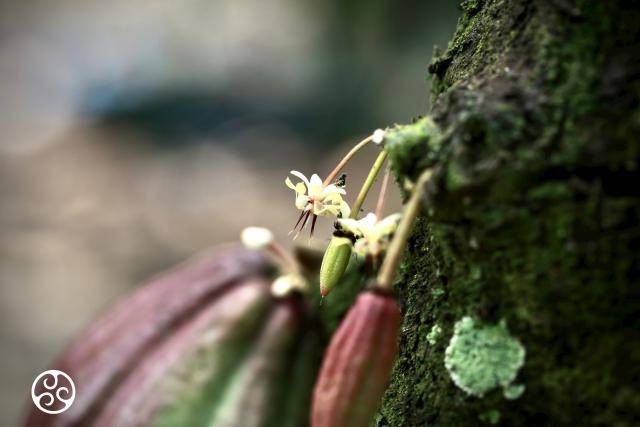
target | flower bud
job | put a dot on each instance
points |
(256, 237)
(334, 263)
(378, 136)
(287, 284)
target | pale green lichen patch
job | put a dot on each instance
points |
(514, 391)
(490, 417)
(434, 334)
(481, 357)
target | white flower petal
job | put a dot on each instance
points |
(369, 221)
(315, 179)
(389, 224)
(301, 176)
(372, 235)
(345, 210)
(330, 210)
(300, 188)
(332, 188)
(301, 201)
(289, 184)
(350, 225)
(320, 208)
(333, 198)
(316, 189)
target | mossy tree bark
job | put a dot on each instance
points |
(532, 217)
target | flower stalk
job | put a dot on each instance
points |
(368, 182)
(290, 278)
(382, 197)
(396, 248)
(346, 159)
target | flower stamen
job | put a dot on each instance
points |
(313, 224)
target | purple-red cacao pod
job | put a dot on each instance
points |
(357, 364)
(205, 344)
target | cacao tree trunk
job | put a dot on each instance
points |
(531, 219)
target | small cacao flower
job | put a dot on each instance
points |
(206, 344)
(372, 235)
(334, 263)
(315, 198)
(357, 364)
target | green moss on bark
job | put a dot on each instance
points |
(531, 218)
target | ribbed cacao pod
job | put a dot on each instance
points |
(205, 344)
(357, 364)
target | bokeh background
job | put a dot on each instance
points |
(135, 133)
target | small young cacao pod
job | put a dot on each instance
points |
(204, 344)
(357, 364)
(334, 263)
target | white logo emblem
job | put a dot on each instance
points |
(53, 391)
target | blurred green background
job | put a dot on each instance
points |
(135, 133)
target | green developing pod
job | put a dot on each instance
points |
(334, 263)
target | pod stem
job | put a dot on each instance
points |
(346, 158)
(284, 258)
(383, 193)
(366, 186)
(396, 247)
